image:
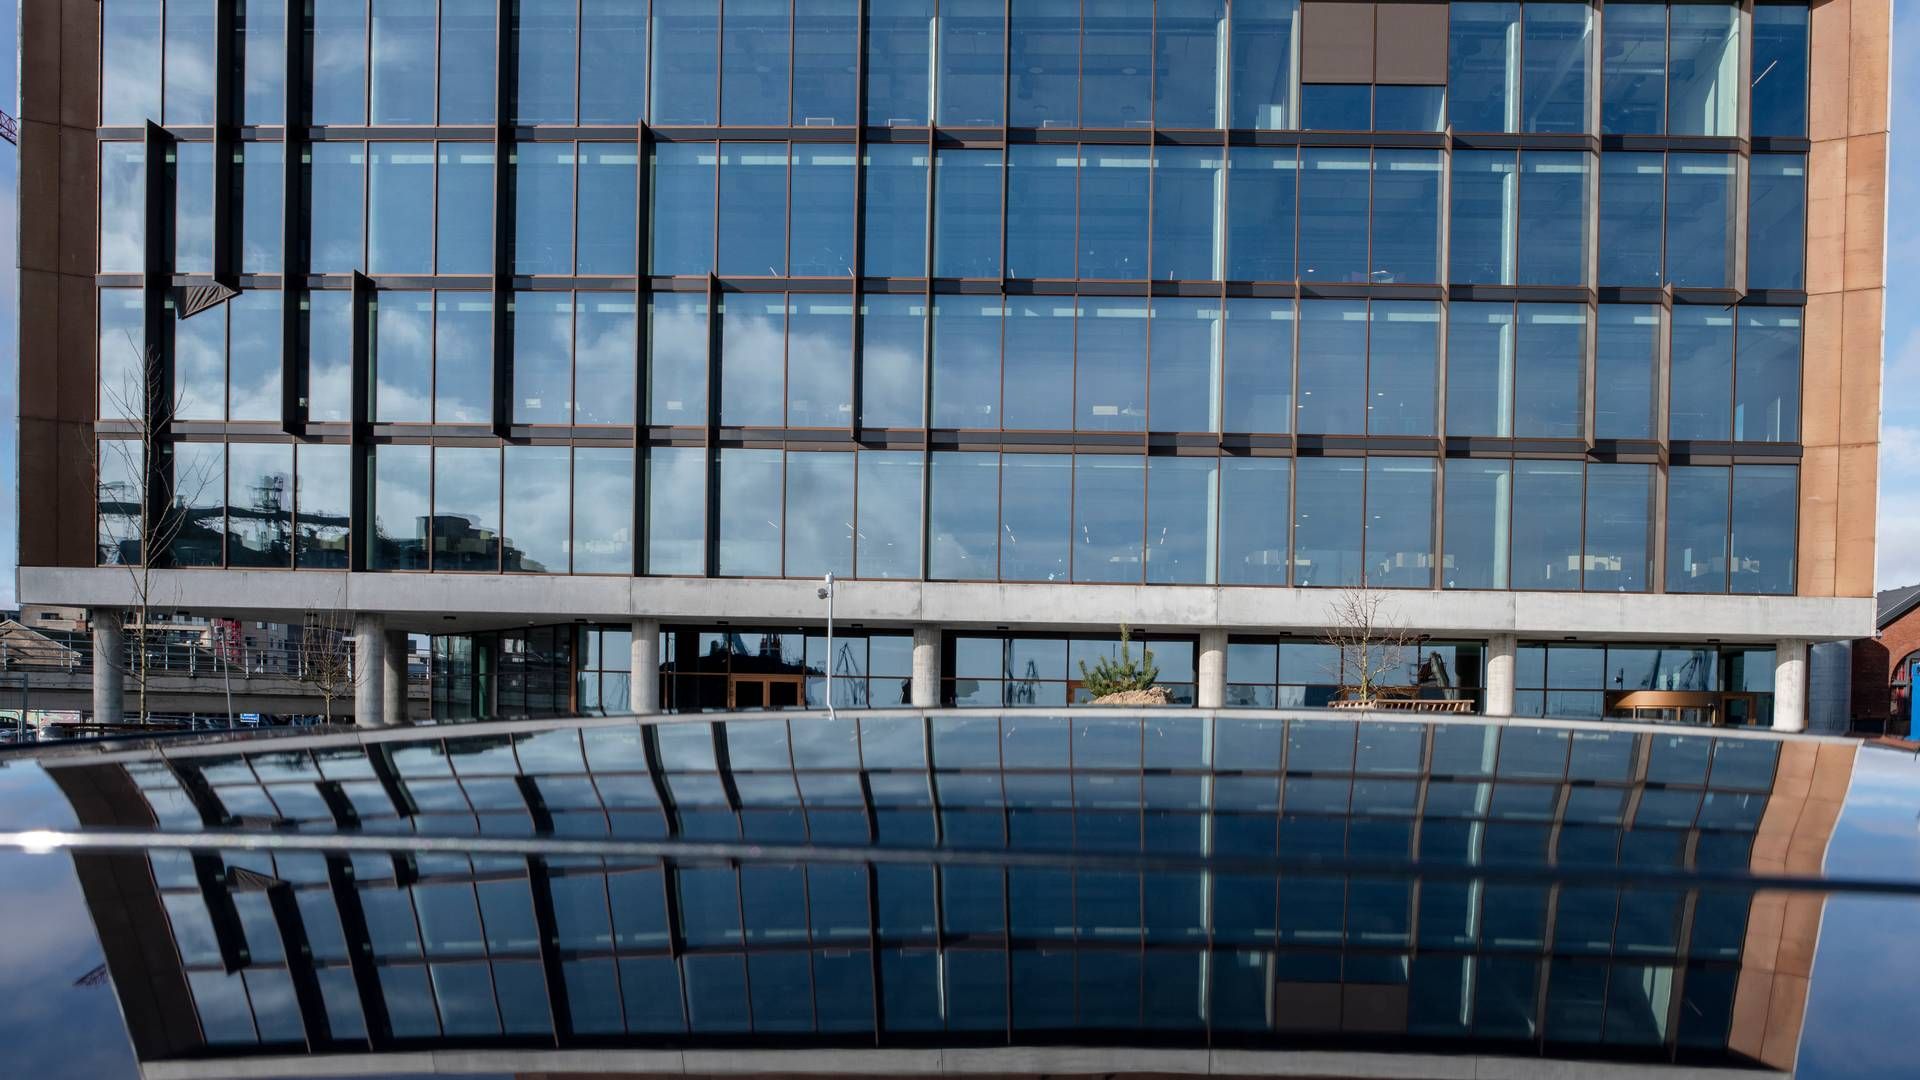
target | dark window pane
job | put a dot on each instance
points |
(1184, 365)
(1765, 503)
(1483, 55)
(1036, 503)
(466, 508)
(1776, 219)
(1261, 186)
(1186, 213)
(1180, 520)
(1259, 365)
(686, 48)
(1696, 529)
(400, 510)
(1484, 216)
(1263, 48)
(1701, 376)
(1546, 536)
(1406, 216)
(1478, 508)
(966, 215)
(894, 237)
(1779, 96)
(1409, 108)
(1117, 63)
(1402, 369)
(754, 50)
(1333, 366)
(1046, 63)
(1254, 520)
(1040, 210)
(1631, 187)
(1333, 213)
(1700, 219)
(822, 219)
(544, 33)
(1328, 520)
(1107, 505)
(972, 80)
(1633, 70)
(899, 62)
(826, 37)
(1550, 379)
(966, 362)
(1039, 360)
(1330, 107)
(613, 62)
(1703, 69)
(1188, 84)
(1554, 197)
(964, 518)
(322, 495)
(1766, 398)
(467, 50)
(1480, 350)
(1619, 554)
(1626, 352)
(1114, 183)
(1110, 385)
(1556, 43)
(1399, 522)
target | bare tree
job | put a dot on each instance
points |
(1370, 647)
(325, 657)
(144, 505)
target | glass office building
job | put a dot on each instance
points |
(973, 303)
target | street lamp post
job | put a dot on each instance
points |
(825, 592)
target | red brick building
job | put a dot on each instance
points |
(1883, 665)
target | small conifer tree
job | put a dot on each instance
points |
(1110, 676)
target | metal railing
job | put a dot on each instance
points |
(178, 658)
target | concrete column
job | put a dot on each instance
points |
(1213, 669)
(1499, 681)
(926, 667)
(109, 677)
(1790, 685)
(369, 669)
(643, 685)
(393, 708)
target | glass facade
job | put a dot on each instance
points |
(1116, 292)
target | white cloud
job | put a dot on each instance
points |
(1899, 533)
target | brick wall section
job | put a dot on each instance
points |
(59, 168)
(1846, 287)
(1873, 661)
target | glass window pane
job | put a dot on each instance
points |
(1335, 107)
(1626, 352)
(535, 531)
(122, 349)
(754, 49)
(1327, 520)
(465, 215)
(967, 214)
(467, 49)
(889, 508)
(543, 208)
(1409, 108)
(1700, 220)
(822, 219)
(1776, 221)
(1187, 239)
(1184, 365)
(1483, 66)
(1039, 361)
(1766, 397)
(608, 173)
(1619, 554)
(466, 508)
(545, 31)
(401, 356)
(964, 518)
(750, 486)
(1403, 367)
(335, 179)
(676, 482)
(972, 80)
(463, 358)
(1546, 538)
(253, 355)
(399, 507)
(1554, 197)
(1631, 193)
(193, 208)
(322, 492)
(1265, 39)
(605, 350)
(1480, 351)
(1333, 366)
(123, 206)
(966, 362)
(1703, 69)
(1696, 529)
(677, 364)
(899, 63)
(1259, 365)
(1558, 38)
(1114, 186)
(681, 227)
(1261, 186)
(602, 510)
(1479, 500)
(1254, 520)
(752, 359)
(753, 209)
(1189, 84)
(403, 49)
(1117, 64)
(1399, 522)
(1036, 504)
(400, 208)
(1107, 516)
(613, 62)
(1633, 69)
(894, 236)
(329, 333)
(1779, 96)
(1701, 376)
(820, 362)
(260, 497)
(1333, 214)
(892, 365)
(825, 40)
(1110, 376)
(130, 85)
(200, 365)
(262, 196)
(1765, 510)
(1406, 216)
(1180, 520)
(1046, 63)
(189, 62)
(1550, 378)
(1484, 196)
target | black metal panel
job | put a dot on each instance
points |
(294, 371)
(361, 484)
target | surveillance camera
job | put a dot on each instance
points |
(820, 592)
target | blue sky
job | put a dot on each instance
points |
(1899, 549)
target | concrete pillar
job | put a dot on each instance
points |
(109, 676)
(369, 669)
(1499, 681)
(393, 708)
(1790, 685)
(1213, 669)
(926, 667)
(643, 685)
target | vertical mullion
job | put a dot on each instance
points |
(295, 365)
(504, 143)
(643, 338)
(360, 367)
(155, 379)
(857, 423)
